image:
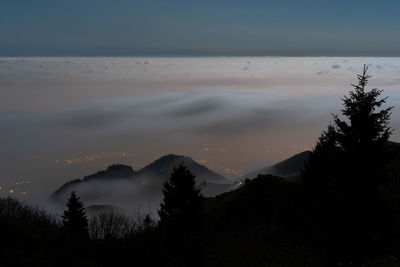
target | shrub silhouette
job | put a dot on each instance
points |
(142, 223)
(115, 225)
(26, 232)
(110, 226)
(74, 217)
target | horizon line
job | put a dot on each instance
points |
(198, 56)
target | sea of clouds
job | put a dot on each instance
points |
(232, 114)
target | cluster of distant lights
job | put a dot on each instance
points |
(92, 157)
(209, 149)
(221, 168)
(15, 188)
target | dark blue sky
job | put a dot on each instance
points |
(172, 27)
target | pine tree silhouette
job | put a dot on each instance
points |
(366, 125)
(359, 140)
(181, 198)
(345, 169)
(74, 217)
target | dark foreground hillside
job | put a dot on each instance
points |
(259, 223)
(263, 223)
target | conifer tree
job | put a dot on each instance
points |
(74, 217)
(353, 148)
(366, 124)
(345, 170)
(182, 199)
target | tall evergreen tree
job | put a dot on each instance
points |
(181, 198)
(345, 169)
(353, 148)
(74, 217)
(367, 126)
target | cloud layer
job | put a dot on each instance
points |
(227, 113)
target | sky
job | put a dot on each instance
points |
(65, 118)
(199, 28)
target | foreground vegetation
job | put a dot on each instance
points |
(344, 209)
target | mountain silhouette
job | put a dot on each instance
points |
(120, 183)
(286, 168)
(164, 165)
(112, 172)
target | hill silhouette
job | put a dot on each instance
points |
(113, 171)
(150, 178)
(286, 168)
(120, 185)
(158, 172)
(163, 166)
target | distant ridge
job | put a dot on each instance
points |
(286, 168)
(156, 172)
(163, 166)
(113, 171)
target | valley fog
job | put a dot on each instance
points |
(64, 118)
